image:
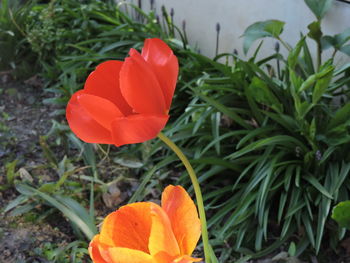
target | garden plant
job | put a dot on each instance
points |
(268, 137)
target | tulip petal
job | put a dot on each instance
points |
(164, 257)
(128, 227)
(137, 128)
(104, 82)
(127, 255)
(95, 252)
(139, 86)
(186, 259)
(85, 127)
(101, 110)
(162, 237)
(183, 216)
(164, 64)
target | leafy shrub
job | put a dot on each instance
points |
(270, 143)
(15, 51)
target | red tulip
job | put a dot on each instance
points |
(148, 233)
(126, 102)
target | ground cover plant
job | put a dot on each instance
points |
(285, 127)
(15, 50)
(269, 133)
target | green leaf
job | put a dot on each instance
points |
(23, 209)
(48, 187)
(268, 28)
(10, 171)
(322, 83)
(129, 161)
(294, 54)
(48, 153)
(341, 117)
(319, 7)
(87, 151)
(263, 131)
(303, 109)
(308, 83)
(274, 140)
(116, 45)
(243, 259)
(263, 94)
(315, 31)
(16, 202)
(212, 255)
(313, 181)
(342, 38)
(345, 49)
(327, 42)
(309, 229)
(281, 207)
(292, 249)
(337, 41)
(225, 110)
(70, 208)
(323, 213)
(326, 73)
(296, 83)
(24, 190)
(274, 27)
(216, 118)
(137, 196)
(307, 59)
(341, 214)
(312, 129)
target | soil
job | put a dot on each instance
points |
(20, 240)
(23, 118)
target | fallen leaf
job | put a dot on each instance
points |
(281, 256)
(113, 197)
(25, 175)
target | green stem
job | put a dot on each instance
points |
(334, 52)
(197, 191)
(319, 55)
(284, 44)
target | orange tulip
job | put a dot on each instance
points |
(148, 233)
(126, 102)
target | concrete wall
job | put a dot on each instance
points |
(235, 16)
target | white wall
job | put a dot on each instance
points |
(235, 16)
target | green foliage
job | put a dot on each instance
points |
(10, 175)
(56, 194)
(71, 37)
(268, 144)
(73, 252)
(269, 28)
(319, 7)
(341, 214)
(338, 42)
(315, 32)
(70, 208)
(14, 49)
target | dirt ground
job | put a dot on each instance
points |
(23, 118)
